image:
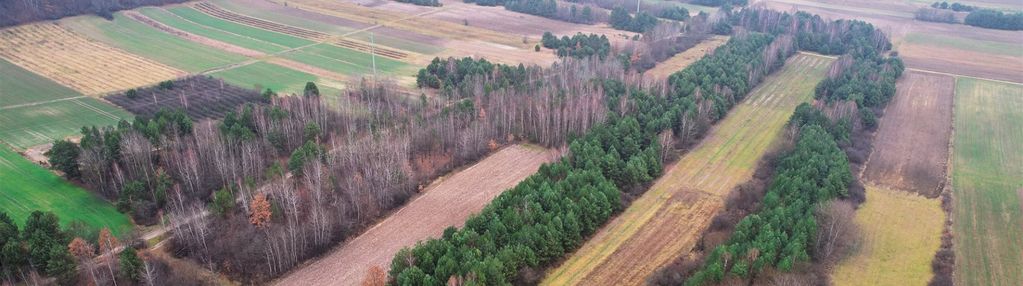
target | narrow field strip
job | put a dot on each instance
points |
(167, 18)
(198, 17)
(141, 39)
(27, 126)
(446, 203)
(76, 62)
(987, 175)
(216, 11)
(667, 220)
(901, 231)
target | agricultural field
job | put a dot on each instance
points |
(347, 61)
(53, 51)
(190, 14)
(987, 180)
(28, 187)
(447, 202)
(911, 145)
(900, 232)
(676, 63)
(165, 17)
(954, 49)
(141, 39)
(35, 110)
(201, 97)
(669, 218)
(457, 39)
(263, 75)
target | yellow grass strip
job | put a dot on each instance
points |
(667, 220)
(901, 231)
(683, 59)
(76, 62)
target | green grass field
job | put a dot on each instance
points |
(21, 86)
(262, 75)
(146, 41)
(249, 31)
(283, 18)
(29, 187)
(162, 16)
(345, 61)
(35, 110)
(987, 47)
(987, 177)
(28, 126)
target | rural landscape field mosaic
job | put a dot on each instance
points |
(500, 142)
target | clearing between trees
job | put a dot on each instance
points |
(447, 202)
(911, 147)
(668, 219)
(900, 233)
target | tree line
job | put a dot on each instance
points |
(24, 11)
(577, 46)
(452, 73)
(548, 9)
(993, 19)
(432, 3)
(955, 6)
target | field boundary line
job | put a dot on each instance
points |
(965, 76)
(42, 102)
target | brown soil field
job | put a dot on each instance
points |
(896, 18)
(911, 147)
(685, 58)
(76, 62)
(447, 202)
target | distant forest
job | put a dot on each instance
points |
(14, 12)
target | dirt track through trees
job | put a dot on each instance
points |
(911, 148)
(448, 202)
(668, 219)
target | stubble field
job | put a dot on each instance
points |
(668, 219)
(87, 66)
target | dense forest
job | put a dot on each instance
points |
(935, 15)
(526, 228)
(14, 12)
(458, 74)
(622, 20)
(993, 19)
(578, 46)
